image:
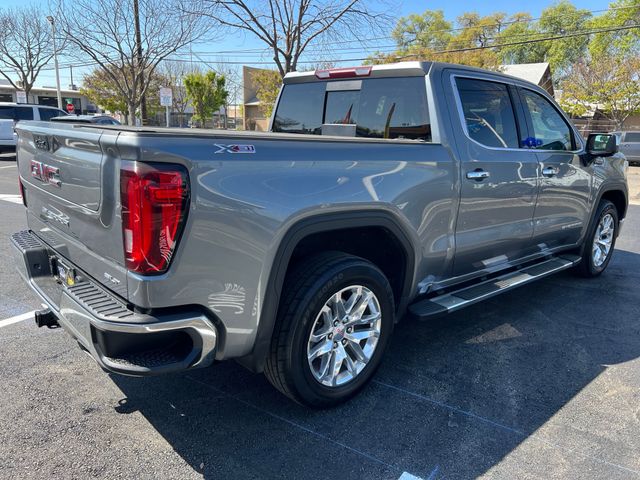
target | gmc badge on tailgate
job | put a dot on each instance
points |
(46, 173)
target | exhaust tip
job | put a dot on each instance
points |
(46, 318)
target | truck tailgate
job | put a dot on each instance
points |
(68, 173)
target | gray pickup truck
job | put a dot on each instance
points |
(381, 192)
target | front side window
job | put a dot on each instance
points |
(550, 130)
(488, 112)
(378, 108)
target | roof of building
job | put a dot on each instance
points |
(532, 72)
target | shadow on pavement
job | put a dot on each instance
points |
(454, 396)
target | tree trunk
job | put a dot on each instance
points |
(132, 114)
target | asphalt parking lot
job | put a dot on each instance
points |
(542, 382)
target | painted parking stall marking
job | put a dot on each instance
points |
(18, 318)
(11, 198)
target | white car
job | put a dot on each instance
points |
(12, 113)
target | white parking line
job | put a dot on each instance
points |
(408, 476)
(8, 166)
(7, 197)
(18, 318)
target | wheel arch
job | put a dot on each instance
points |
(319, 224)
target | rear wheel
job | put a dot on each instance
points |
(600, 241)
(333, 325)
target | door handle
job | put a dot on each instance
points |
(550, 171)
(477, 175)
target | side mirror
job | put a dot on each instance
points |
(601, 145)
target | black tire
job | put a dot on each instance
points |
(306, 290)
(587, 268)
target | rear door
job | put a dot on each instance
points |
(499, 179)
(563, 207)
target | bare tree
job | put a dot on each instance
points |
(174, 72)
(25, 46)
(104, 33)
(289, 27)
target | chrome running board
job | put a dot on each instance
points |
(455, 300)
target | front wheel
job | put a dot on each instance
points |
(334, 323)
(600, 242)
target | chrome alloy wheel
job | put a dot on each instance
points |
(602, 240)
(344, 335)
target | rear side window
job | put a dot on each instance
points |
(488, 112)
(300, 108)
(377, 107)
(550, 130)
(7, 113)
(47, 114)
(632, 137)
(24, 113)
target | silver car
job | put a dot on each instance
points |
(629, 145)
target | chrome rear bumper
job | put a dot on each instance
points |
(120, 339)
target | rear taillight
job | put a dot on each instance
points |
(154, 199)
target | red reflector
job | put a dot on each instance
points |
(348, 72)
(154, 198)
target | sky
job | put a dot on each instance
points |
(451, 8)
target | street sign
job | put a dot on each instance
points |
(70, 108)
(166, 96)
(21, 97)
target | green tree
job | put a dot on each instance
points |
(558, 20)
(428, 30)
(609, 83)
(206, 92)
(623, 42)
(429, 36)
(100, 87)
(268, 83)
(520, 28)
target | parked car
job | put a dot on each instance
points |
(12, 113)
(415, 188)
(97, 119)
(629, 145)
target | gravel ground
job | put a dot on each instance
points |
(541, 382)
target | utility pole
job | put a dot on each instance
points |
(55, 59)
(143, 102)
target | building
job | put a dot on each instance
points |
(253, 118)
(537, 73)
(48, 96)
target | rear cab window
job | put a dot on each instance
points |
(387, 108)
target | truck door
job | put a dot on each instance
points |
(499, 178)
(563, 208)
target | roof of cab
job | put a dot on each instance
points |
(402, 69)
